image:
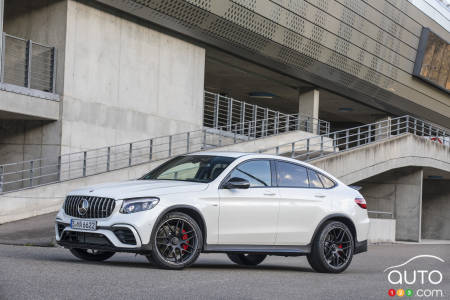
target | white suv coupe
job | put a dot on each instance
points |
(245, 205)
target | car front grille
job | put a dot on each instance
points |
(98, 207)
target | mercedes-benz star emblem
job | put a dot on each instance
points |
(83, 206)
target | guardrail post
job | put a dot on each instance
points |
(59, 168)
(287, 123)
(293, 150)
(277, 120)
(84, 163)
(188, 137)
(266, 121)
(321, 145)
(216, 111)
(170, 146)
(334, 142)
(235, 134)
(150, 150)
(130, 154)
(369, 134)
(2, 74)
(108, 159)
(1, 179)
(347, 132)
(277, 150)
(307, 149)
(398, 126)
(242, 118)
(31, 172)
(230, 113)
(28, 63)
(54, 70)
(358, 136)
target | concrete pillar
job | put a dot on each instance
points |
(436, 207)
(408, 205)
(382, 130)
(308, 105)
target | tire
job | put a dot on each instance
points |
(247, 259)
(332, 249)
(91, 255)
(176, 241)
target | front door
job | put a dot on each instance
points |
(249, 216)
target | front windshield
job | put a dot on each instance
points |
(196, 168)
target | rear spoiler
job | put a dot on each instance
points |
(355, 187)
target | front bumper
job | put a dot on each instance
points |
(118, 232)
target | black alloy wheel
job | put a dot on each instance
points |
(332, 249)
(176, 242)
(91, 254)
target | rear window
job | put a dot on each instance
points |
(327, 182)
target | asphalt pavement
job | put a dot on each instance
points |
(53, 273)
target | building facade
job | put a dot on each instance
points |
(79, 75)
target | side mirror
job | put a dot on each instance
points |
(237, 183)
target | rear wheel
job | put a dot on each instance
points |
(176, 242)
(91, 254)
(247, 259)
(332, 249)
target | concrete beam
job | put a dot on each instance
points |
(19, 106)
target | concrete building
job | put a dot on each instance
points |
(78, 75)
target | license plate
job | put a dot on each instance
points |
(83, 224)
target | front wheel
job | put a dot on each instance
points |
(176, 242)
(91, 254)
(332, 249)
(247, 259)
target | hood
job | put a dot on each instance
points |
(139, 188)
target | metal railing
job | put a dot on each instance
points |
(221, 111)
(327, 144)
(28, 64)
(25, 174)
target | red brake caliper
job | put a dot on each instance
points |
(184, 237)
(340, 246)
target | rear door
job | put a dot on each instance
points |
(249, 216)
(302, 203)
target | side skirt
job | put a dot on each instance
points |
(259, 249)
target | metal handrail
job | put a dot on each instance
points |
(29, 173)
(327, 144)
(220, 110)
(19, 175)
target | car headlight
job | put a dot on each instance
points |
(130, 206)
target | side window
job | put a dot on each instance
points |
(314, 180)
(291, 175)
(257, 172)
(327, 182)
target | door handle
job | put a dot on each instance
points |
(319, 196)
(269, 194)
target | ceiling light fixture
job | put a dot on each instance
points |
(345, 109)
(261, 95)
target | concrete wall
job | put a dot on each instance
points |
(125, 82)
(400, 192)
(42, 21)
(382, 231)
(435, 209)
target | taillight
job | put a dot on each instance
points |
(361, 202)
